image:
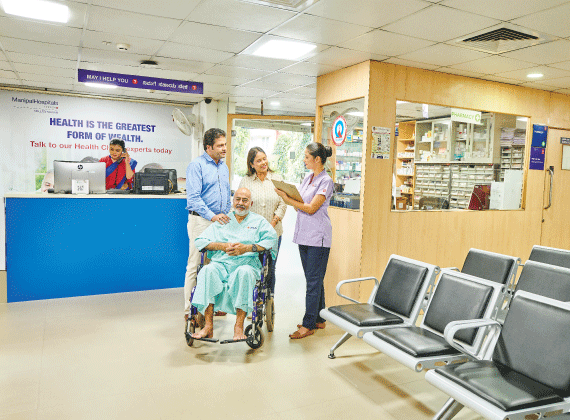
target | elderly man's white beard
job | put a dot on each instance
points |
(241, 212)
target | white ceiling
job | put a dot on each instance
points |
(204, 41)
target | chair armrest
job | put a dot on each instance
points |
(485, 350)
(341, 283)
(451, 268)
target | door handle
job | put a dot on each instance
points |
(551, 172)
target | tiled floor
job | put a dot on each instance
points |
(124, 357)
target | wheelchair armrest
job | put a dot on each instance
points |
(485, 351)
(339, 285)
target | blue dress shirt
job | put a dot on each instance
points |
(208, 187)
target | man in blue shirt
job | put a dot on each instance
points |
(208, 199)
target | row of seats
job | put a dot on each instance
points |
(498, 346)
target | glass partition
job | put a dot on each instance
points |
(343, 130)
(457, 159)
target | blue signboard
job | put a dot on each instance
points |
(537, 158)
(539, 133)
(139, 82)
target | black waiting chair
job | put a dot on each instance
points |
(397, 299)
(545, 280)
(491, 266)
(456, 296)
(525, 374)
(552, 256)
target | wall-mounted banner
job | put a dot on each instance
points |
(339, 131)
(537, 156)
(466, 116)
(380, 143)
(539, 135)
(139, 82)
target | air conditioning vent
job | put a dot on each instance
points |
(295, 5)
(503, 38)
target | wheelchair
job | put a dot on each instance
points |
(263, 304)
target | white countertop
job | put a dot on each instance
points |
(180, 196)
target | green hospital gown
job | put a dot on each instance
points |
(227, 281)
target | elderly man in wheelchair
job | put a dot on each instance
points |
(227, 282)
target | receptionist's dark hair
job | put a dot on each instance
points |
(317, 149)
(251, 158)
(212, 135)
(119, 142)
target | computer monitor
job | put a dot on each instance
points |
(65, 171)
(171, 176)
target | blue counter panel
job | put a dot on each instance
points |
(57, 247)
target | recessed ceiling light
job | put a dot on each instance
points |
(534, 75)
(356, 113)
(287, 50)
(101, 85)
(275, 103)
(308, 124)
(37, 9)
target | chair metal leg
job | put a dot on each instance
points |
(339, 343)
(449, 410)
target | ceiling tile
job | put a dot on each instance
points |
(561, 83)
(39, 48)
(321, 30)
(502, 9)
(564, 91)
(409, 63)
(245, 16)
(43, 78)
(386, 43)
(10, 82)
(370, 13)
(438, 23)
(256, 93)
(111, 68)
(94, 40)
(103, 19)
(259, 63)
(548, 72)
(183, 65)
(186, 52)
(551, 52)
(443, 55)
(51, 86)
(564, 65)
(461, 72)
(493, 65)
(552, 21)
(37, 31)
(7, 74)
(261, 84)
(167, 74)
(171, 9)
(310, 92)
(221, 80)
(229, 71)
(310, 69)
(120, 58)
(38, 60)
(77, 12)
(55, 72)
(213, 37)
(289, 79)
(181, 97)
(541, 86)
(4, 65)
(500, 79)
(343, 57)
(211, 88)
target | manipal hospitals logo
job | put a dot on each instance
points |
(37, 105)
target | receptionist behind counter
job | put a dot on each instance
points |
(120, 167)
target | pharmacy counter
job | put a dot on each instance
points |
(62, 245)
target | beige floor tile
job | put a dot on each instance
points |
(19, 392)
(128, 406)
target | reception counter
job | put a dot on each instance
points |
(62, 245)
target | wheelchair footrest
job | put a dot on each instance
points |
(209, 340)
(233, 341)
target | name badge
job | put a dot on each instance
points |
(79, 186)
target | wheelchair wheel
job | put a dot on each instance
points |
(270, 314)
(254, 336)
(190, 329)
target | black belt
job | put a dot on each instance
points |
(193, 213)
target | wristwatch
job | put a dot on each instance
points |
(254, 248)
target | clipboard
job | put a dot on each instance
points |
(288, 189)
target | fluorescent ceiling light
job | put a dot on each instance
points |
(356, 113)
(288, 50)
(522, 119)
(534, 75)
(37, 9)
(402, 102)
(308, 124)
(275, 103)
(101, 85)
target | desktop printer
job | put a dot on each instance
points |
(152, 183)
